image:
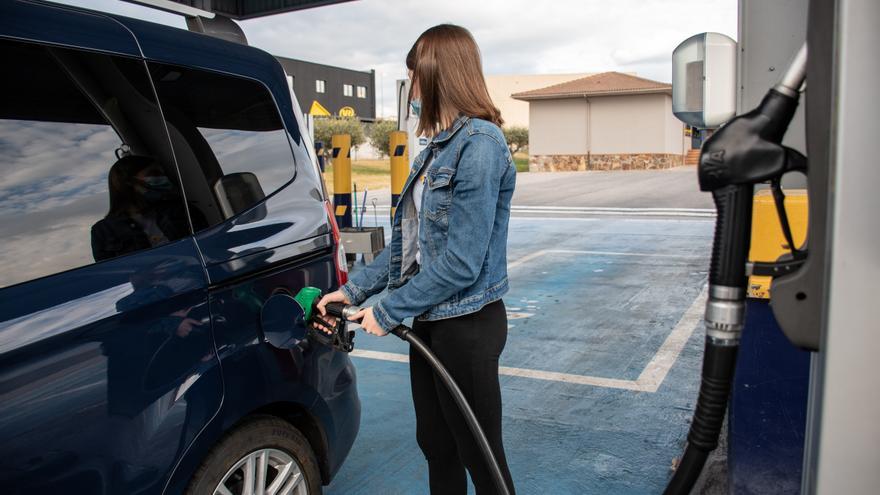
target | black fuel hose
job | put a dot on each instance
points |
(405, 333)
(719, 364)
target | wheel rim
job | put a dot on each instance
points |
(264, 472)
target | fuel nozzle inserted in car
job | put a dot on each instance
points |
(346, 311)
(341, 338)
(745, 152)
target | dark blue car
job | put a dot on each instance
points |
(156, 189)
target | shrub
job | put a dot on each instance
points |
(379, 134)
(517, 138)
(326, 127)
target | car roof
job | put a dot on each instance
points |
(156, 42)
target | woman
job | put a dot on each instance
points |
(447, 261)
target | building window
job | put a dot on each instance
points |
(347, 89)
(362, 92)
(319, 86)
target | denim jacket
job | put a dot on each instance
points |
(462, 232)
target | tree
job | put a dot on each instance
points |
(326, 127)
(379, 134)
(517, 138)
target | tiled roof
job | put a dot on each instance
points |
(605, 83)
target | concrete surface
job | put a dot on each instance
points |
(602, 361)
(669, 188)
(664, 189)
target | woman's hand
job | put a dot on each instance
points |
(336, 296)
(368, 322)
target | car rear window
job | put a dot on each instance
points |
(229, 140)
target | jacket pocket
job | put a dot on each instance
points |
(439, 191)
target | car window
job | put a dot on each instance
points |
(86, 171)
(228, 138)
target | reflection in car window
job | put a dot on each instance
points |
(229, 141)
(58, 148)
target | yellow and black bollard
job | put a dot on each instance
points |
(341, 144)
(399, 166)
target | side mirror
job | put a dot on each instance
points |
(704, 80)
(237, 192)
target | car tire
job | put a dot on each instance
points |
(263, 444)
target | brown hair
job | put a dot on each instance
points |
(445, 62)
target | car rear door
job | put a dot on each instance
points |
(108, 369)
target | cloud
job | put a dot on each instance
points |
(515, 36)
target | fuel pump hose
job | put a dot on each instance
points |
(403, 332)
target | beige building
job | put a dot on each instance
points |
(516, 112)
(604, 121)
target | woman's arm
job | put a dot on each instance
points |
(482, 162)
(370, 280)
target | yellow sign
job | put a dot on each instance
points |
(318, 110)
(346, 112)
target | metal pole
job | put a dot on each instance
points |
(341, 144)
(397, 148)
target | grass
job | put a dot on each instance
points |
(369, 174)
(376, 174)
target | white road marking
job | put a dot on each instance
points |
(382, 356)
(649, 380)
(544, 252)
(655, 372)
(601, 210)
(605, 210)
(612, 208)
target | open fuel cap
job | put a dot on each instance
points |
(283, 321)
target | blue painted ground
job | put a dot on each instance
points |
(602, 314)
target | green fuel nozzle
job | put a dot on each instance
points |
(341, 338)
(308, 298)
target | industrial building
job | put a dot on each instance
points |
(327, 90)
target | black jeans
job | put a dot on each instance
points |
(469, 346)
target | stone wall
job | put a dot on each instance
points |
(624, 161)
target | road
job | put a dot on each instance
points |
(671, 188)
(601, 366)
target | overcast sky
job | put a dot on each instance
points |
(515, 36)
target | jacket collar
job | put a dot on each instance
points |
(445, 135)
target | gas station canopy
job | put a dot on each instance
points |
(250, 9)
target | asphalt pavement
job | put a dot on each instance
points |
(669, 188)
(674, 188)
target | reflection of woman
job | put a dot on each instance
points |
(145, 210)
(447, 261)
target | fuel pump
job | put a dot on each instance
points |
(744, 152)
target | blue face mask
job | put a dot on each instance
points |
(157, 183)
(415, 107)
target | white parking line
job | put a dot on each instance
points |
(604, 210)
(545, 252)
(649, 379)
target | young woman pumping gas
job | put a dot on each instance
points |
(446, 265)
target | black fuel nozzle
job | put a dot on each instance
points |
(346, 311)
(340, 337)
